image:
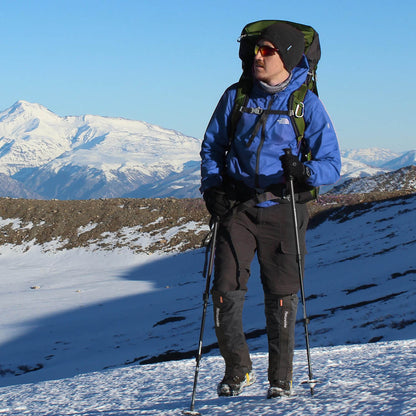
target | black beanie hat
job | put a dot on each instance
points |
(288, 40)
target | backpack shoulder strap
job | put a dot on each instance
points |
(296, 104)
(241, 101)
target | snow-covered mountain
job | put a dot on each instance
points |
(406, 159)
(365, 163)
(375, 169)
(90, 156)
(14, 189)
(374, 157)
(403, 179)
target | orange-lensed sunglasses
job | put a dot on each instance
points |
(265, 50)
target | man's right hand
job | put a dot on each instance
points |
(217, 202)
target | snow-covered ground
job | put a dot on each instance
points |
(372, 380)
(77, 326)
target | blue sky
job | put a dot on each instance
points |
(168, 62)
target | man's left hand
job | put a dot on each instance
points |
(293, 168)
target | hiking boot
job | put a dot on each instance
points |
(280, 389)
(233, 386)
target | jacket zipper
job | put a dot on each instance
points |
(262, 139)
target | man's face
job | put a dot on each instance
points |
(269, 68)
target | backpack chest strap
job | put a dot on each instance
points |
(295, 111)
(260, 111)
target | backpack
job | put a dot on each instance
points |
(250, 35)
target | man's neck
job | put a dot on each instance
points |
(273, 89)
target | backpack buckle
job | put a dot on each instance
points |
(299, 110)
(258, 110)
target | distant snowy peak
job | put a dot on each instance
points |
(21, 106)
(23, 111)
(374, 157)
(30, 136)
(406, 159)
(356, 168)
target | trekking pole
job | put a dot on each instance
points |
(207, 274)
(311, 381)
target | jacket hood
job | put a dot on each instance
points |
(300, 72)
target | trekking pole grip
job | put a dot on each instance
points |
(288, 152)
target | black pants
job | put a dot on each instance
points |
(267, 232)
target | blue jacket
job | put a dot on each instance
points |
(255, 161)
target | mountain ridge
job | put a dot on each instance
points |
(400, 179)
(102, 223)
(89, 156)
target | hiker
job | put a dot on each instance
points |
(235, 174)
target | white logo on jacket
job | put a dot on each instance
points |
(283, 120)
